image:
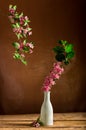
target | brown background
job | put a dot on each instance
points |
(20, 86)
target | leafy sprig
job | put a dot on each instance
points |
(22, 30)
(64, 51)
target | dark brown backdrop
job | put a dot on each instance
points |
(20, 86)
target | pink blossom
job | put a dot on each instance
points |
(18, 30)
(21, 46)
(21, 20)
(35, 124)
(27, 44)
(58, 70)
(57, 76)
(57, 64)
(47, 81)
(46, 88)
(30, 45)
(55, 73)
(25, 31)
(62, 70)
(12, 11)
(22, 55)
(30, 33)
(52, 81)
(30, 51)
(26, 18)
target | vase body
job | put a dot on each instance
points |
(46, 115)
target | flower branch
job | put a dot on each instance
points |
(22, 30)
(64, 53)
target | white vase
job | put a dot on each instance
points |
(46, 115)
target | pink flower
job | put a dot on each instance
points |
(26, 18)
(47, 82)
(30, 33)
(52, 82)
(35, 124)
(58, 70)
(21, 46)
(12, 11)
(57, 76)
(22, 55)
(25, 31)
(21, 20)
(54, 74)
(30, 45)
(18, 30)
(62, 70)
(57, 64)
(30, 51)
(46, 88)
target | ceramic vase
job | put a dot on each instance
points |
(46, 114)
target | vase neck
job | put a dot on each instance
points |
(46, 95)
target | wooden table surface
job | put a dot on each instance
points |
(62, 121)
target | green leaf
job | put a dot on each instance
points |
(70, 55)
(24, 42)
(10, 6)
(24, 35)
(29, 29)
(62, 42)
(33, 43)
(26, 49)
(16, 45)
(16, 15)
(16, 55)
(28, 21)
(13, 25)
(17, 25)
(25, 23)
(40, 122)
(64, 52)
(66, 62)
(58, 49)
(21, 15)
(24, 61)
(68, 48)
(19, 35)
(14, 7)
(60, 57)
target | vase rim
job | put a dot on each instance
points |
(47, 91)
